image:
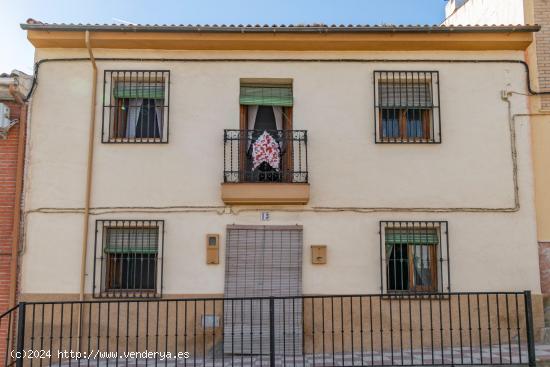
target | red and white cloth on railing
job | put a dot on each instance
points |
(266, 149)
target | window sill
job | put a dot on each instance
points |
(135, 141)
(415, 296)
(129, 294)
(406, 141)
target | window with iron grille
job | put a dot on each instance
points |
(128, 258)
(414, 257)
(135, 106)
(407, 107)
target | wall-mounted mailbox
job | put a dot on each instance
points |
(318, 254)
(212, 249)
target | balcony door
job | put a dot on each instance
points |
(266, 142)
(263, 261)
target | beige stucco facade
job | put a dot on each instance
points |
(526, 12)
(467, 180)
(540, 120)
(522, 12)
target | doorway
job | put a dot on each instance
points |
(266, 128)
(263, 261)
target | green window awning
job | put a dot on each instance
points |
(139, 90)
(124, 250)
(417, 236)
(131, 241)
(266, 95)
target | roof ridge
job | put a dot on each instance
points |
(32, 24)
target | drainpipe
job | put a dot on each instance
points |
(89, 170)
(18, 193)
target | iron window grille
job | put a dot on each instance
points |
(128, 258)
(414, 257)
(135, 106)
(407, 107)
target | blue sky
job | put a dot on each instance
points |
(17, 53)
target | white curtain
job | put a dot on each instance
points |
(159, 112)
(389, 249)
(134, 109)
(278, 112)
(252, 113)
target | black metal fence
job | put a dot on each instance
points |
(9, 331)
(265, 156)
(348, 330)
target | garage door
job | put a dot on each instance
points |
(263, 261)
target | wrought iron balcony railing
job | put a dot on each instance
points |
(265, 156)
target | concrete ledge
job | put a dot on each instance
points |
(265, 193)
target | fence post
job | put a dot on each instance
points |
(529, 328)
(272, 331)
(20, 335)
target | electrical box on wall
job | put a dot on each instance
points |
(4, 116)
(212, 249)
(210, 321)
(318, 254)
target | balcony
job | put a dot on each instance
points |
(265, 167)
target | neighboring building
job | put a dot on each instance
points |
(538, 59)
(13, 111)
(260, 161)
(13, 114)
(465, 12)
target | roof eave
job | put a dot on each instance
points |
(208, 39)
(281, 29)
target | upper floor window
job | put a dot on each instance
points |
(414, 257)
(266, 148)
(128, 258)
(135, 106)
(407, 107)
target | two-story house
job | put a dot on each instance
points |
(298, 190)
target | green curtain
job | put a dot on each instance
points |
(139, 90)
(266, 95)
(417, 236)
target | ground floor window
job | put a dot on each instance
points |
(128, 258)
(414, 256)
(135, 270)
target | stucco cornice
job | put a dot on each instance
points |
(315, 37)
